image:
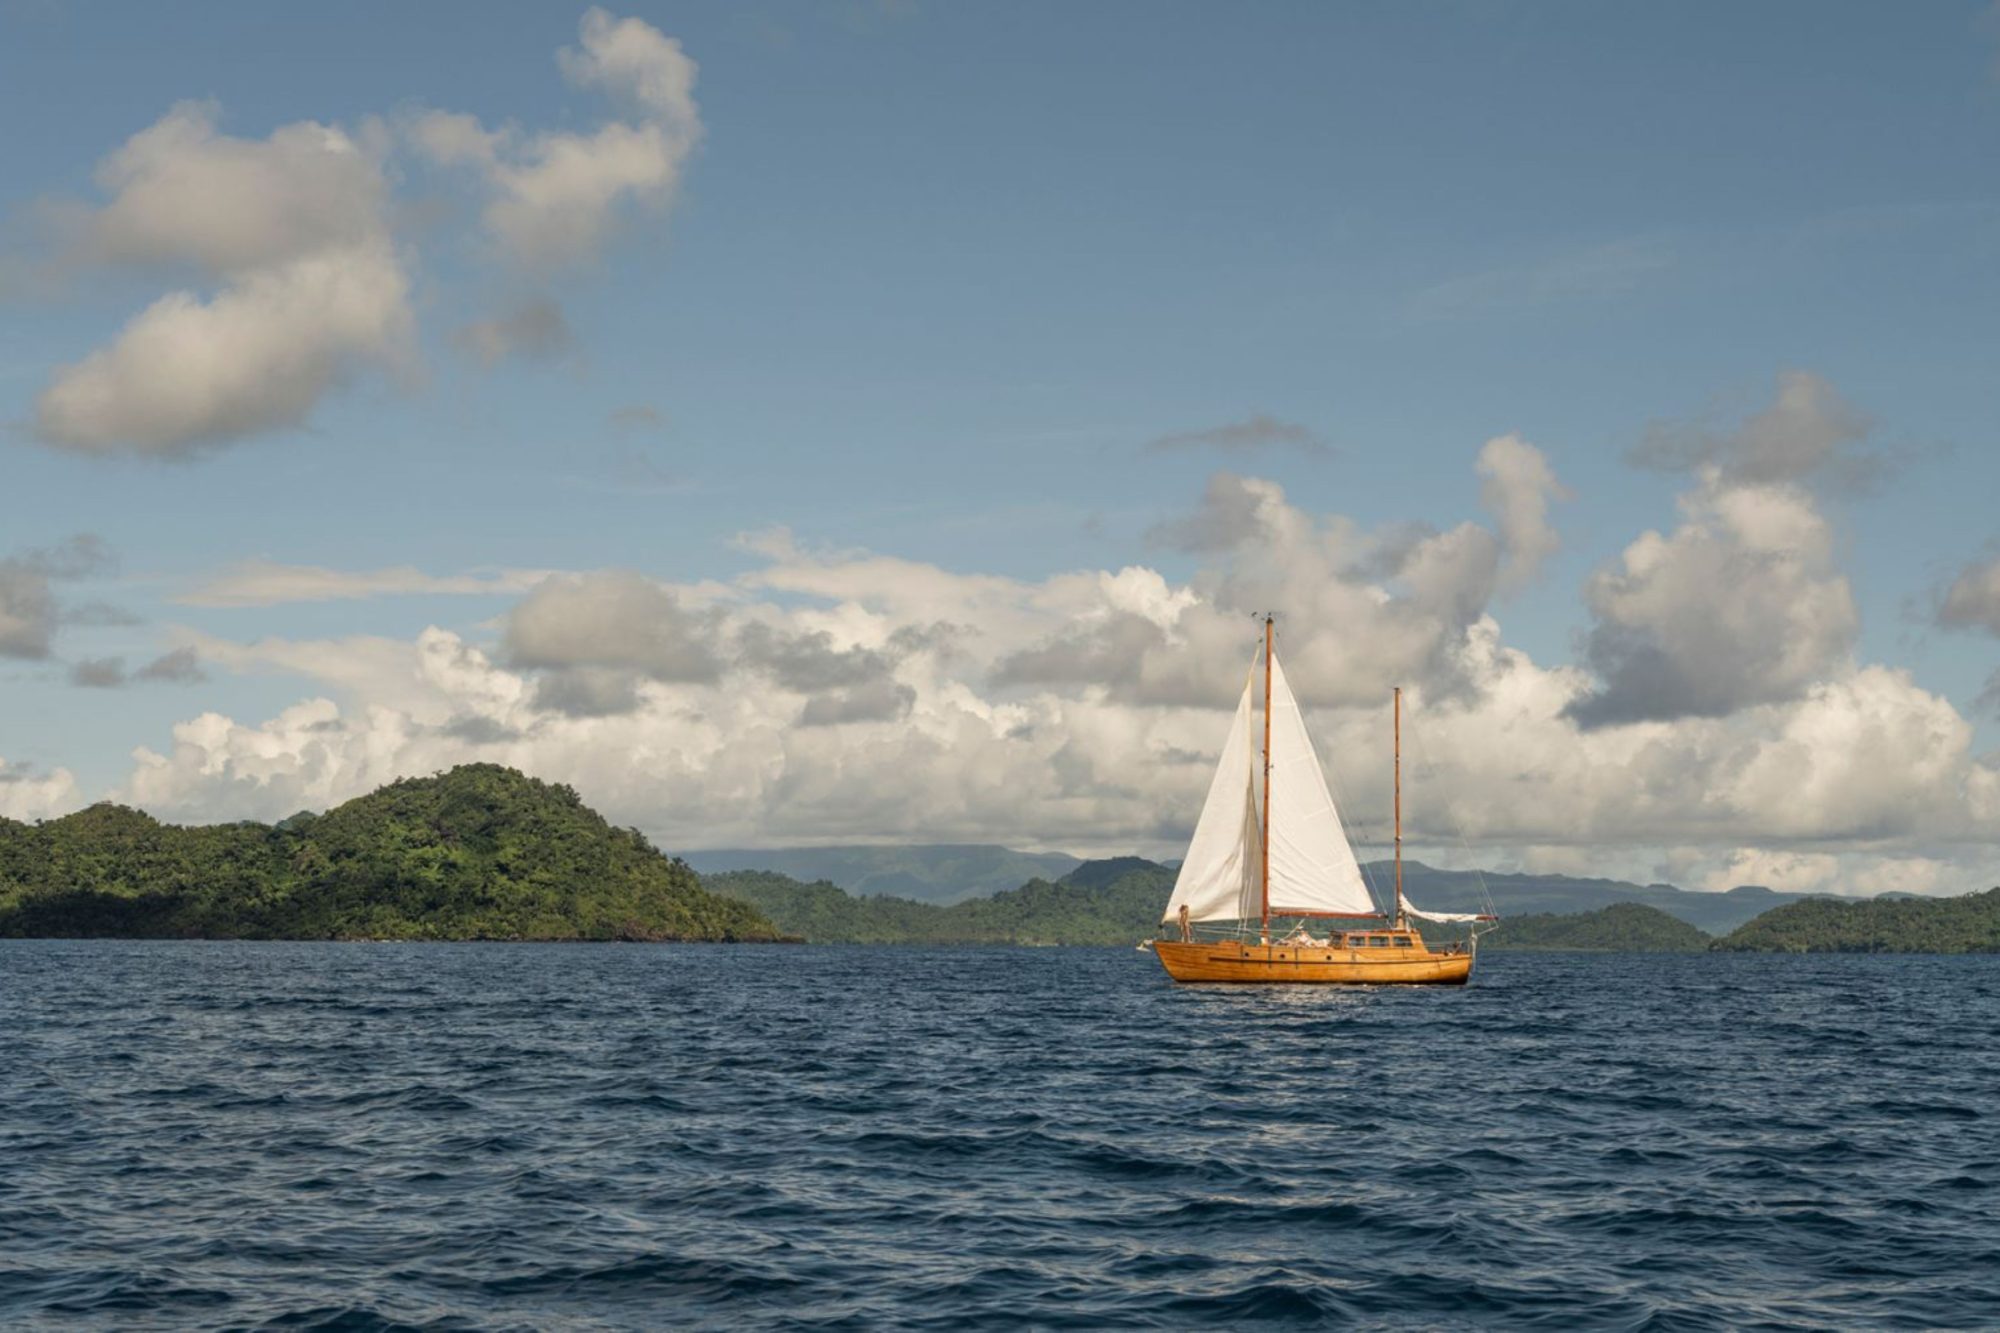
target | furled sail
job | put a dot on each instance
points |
(1443, 918)
(1219, 880)
(1312, 866)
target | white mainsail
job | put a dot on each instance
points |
(1219, 877)
(1312, 866)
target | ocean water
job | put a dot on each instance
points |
(522, 1136)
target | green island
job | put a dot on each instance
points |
(1619, 928)
(1100, 902)
(1966, 924)
(486, 853)
(479, 853)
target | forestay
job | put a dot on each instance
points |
(1219, 878)
(1312, 866)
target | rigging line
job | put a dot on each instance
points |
(1429, 768)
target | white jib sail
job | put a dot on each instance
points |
(1312, 866)
(1219, 878)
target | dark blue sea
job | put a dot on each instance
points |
(620, 1136)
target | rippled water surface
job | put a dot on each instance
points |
(618, 1136)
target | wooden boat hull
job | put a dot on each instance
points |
(1286, 964)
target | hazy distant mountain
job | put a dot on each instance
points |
(1120, 899)
(1102, 902)
(938, 873)
(1520, 895)
(950, 874)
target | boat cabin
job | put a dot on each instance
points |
(1381, 937)
(1406, 939)
(1382, 943)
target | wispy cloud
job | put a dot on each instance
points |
(1597, 273)
(1256, 432)
(182, 666)
(534, 330)
(266, 583)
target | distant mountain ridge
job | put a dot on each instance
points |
(949, 873)
(1525, 894)
(1101, 902)
(939, 873)
(1120, 899)
(1117, 901)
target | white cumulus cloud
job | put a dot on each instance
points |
(554, 197)
(28, 795)
(1517, 485)
(1739, 605)
(845, 694)
(289, 280)
(308, 287)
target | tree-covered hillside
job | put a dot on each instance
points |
(1968, 924)
(1119, 905)
(481, 852)
(1621, 928)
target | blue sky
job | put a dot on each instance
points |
(934, 278)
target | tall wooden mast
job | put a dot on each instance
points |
(1399, 807)
(1270, 637)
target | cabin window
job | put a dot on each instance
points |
(1379, 941)
(1405, 942)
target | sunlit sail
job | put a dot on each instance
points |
(1270, 843)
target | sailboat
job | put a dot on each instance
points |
(1286, 857)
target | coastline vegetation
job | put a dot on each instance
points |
(479, 853)
(1116, 902)
(1966, 924)
(486, 853)
(1619, 928)
(1097, 903)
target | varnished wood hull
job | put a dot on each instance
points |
(1285, 964)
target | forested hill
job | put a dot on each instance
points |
(481, 852)
(1117, 902)
(1619, 928)
(1968, 924)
